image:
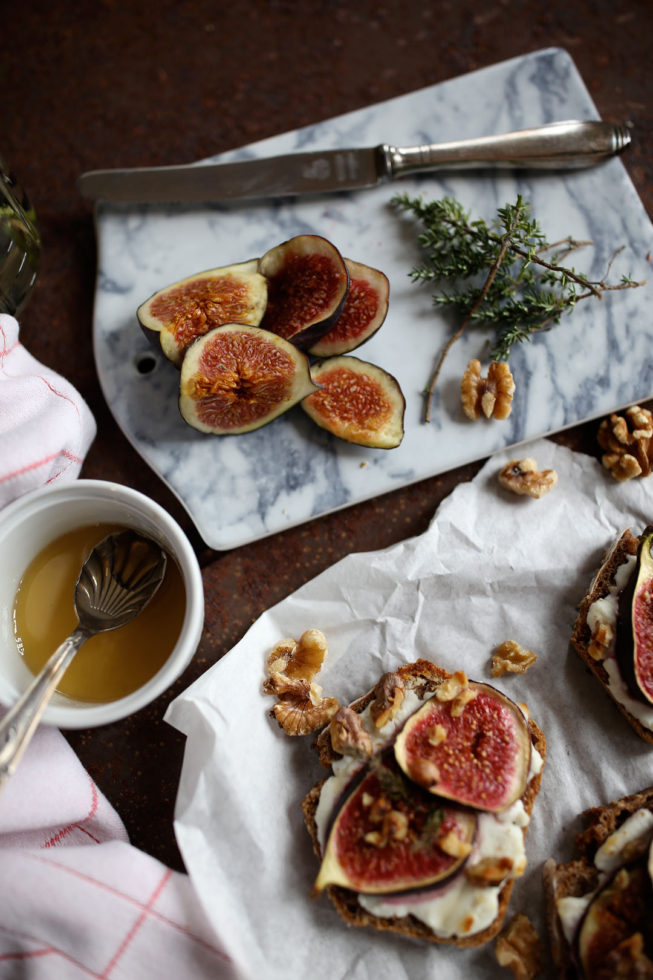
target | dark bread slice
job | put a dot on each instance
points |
(581, 634)
(424, 677)
(579, 877)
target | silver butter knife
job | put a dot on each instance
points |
(559, 145)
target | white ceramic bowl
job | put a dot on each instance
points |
(28, 524)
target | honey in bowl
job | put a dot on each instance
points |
(109, 665)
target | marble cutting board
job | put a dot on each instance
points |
(239, 489)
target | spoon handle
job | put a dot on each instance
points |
(19, 724)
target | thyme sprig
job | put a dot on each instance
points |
(503, 275)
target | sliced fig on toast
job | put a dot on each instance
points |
(365, 310)
(634, 644)
(473, 748)
(358, 402)
(175, 316)
(389, 837)
(614, 935)
(307, 282)
(237, 378)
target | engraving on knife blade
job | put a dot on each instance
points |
(317, 170)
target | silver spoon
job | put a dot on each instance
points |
(116, 582)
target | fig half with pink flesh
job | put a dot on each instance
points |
(180, 313)
(634, 644)
(476, 752)
(237, 378)
(307, 283)
(358, 402)
(364, 312)
(617, 923)
(389, 837)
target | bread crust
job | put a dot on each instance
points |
(626, 545)
(579, 877)
(424, 677)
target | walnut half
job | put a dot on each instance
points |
(291, 666)
(348, 737)
(510, 657)
(388, 698)
(626, 441)
(302, 658)
(519, 947)
(490, 396)
(522, 476)
(300, 708)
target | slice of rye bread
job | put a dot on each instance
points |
(579, 877)
(423, 677)
(581, 634)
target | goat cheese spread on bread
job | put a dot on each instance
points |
(609, 856)
(459, 907)
(604, 612)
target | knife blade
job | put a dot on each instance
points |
(565, 145)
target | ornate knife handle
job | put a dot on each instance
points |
(560, 145)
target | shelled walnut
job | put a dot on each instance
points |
(489, 871)
(450, 688)
(521, 476)
(626, 441)
(299, 658)
(388, 698)
(600, 641)
(490, 396)
(348, 737)
(511, 657)
(301, 709)
(291, 666)
(519, 947)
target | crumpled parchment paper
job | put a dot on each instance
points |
(492, 566)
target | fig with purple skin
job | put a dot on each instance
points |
(473, 749)
(634, 644)
(358, 402)
(238, 378)
(175, 316)
(389, 837)
(307, 282)
(364, 312)
(615, 930)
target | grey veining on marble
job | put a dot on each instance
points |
(598, 359)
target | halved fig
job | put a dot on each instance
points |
(390, 837)
(358, 402)
(634, 644)
(475, 751)
(307, 284)
(237, 378)
(364, 311)
(611, 936)
(175, 316)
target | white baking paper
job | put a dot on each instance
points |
(492, 566)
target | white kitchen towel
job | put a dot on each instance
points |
(77, 900)
(46, 427)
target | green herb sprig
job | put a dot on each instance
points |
(503, 275)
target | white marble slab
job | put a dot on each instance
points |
(598, 359)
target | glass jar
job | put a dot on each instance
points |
(20, 245)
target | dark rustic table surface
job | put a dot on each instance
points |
(91, 85)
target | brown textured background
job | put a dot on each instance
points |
(88, 85)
